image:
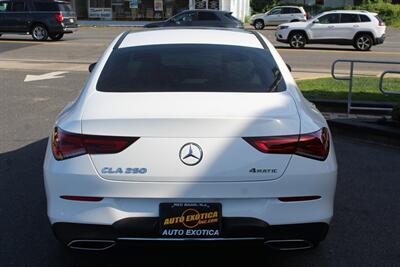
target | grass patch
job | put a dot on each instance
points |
(364, 89)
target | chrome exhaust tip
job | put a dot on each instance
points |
(289, 244)
(91, 244)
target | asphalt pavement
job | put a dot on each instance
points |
(364, 231)
(77, 50)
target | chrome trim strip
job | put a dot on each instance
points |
(111, 244)
(189, 239)
(271, 242)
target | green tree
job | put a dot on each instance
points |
(262, 5)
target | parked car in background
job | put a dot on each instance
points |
(277, 16)
(200, 18)
(39, 18)
(362, 29)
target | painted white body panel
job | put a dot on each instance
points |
(217, 122)
(141, 199)
(186, 36)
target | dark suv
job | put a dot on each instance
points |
(42, 19)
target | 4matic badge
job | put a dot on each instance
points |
(264, 171)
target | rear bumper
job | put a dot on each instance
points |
(129, 200)
(57, 29)
(70, 30)
(380, 40)
(145, 229)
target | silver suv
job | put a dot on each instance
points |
(277, 16)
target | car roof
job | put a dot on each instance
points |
(349, 12)
(207, 10)
(288, 6)
(182, 35)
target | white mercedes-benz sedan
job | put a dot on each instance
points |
(190, 135)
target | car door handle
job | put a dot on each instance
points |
(331, 27)
(356, 26)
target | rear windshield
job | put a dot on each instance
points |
(190, 68)
(379, 19)
(229, 15)
(52, 6)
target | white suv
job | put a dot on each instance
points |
(277, 16)
(361, 29)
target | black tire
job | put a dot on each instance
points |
(259, 24)
(39, 32)
(57, 37)
(297, 40)
(363, 42)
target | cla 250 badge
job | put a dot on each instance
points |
(110, 170)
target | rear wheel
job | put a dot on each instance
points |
(57, 37)
(363, 42)
(40, 33)
(259, 24)
(297, 40)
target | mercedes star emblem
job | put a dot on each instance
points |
(191, 154)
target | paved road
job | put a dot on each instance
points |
(76, 51)
(365, 230)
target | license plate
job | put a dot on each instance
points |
(71, 20)
(190, 220)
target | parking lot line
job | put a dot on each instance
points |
(337, 51)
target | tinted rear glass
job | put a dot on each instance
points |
(364, 18)
(190, 68)
(349, 18)
(379, 19)
(290, 10)
(207, 16)
(229, 15)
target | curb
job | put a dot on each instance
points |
(101, 23)
(367, 129)
(340, 106)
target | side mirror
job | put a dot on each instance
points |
(91, 66)
(316, 21)
(289, 67)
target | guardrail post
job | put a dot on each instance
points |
(350, 95)
(350, 80)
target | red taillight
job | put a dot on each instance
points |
(312, 145)
(59, 17)
(276, 144)
(81, 198)
(68, 145)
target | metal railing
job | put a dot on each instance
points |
(351, 77)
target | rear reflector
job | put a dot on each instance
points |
(312, 145)
(302, 198)
(68, 145)
(80, 198)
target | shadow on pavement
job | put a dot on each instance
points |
(26, 238)
(319, 48)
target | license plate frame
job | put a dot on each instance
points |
(190, 220)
